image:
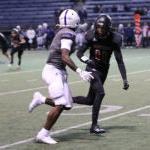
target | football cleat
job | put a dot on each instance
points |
(97, 130)
(10, 65)
(18, 67)
(45, 139)
(36, 101)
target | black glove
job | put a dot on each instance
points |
(90, 63)
(125, 85)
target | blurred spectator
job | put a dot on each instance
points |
(126, 8)
(129, 35)
(149, 35)
(80, 34)
(49, 37)
(120, 7)
(121, 31)
(83, 14)
(98, 8)
(56, 15)
(138, 38)
(145, 29)
(31, 36)
(114, 8)
(39, 34)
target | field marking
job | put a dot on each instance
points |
(147, 80)
(4, 80)
(32, 89)
(74, 82)
(32, 80)
(37, 70)
(19, 72)
(116, 80)
(144, 115)
(107, 109)
(77, 126)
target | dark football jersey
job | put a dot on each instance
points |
(3, 42)
(55, 48)
(101, 48)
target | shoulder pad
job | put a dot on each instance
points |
(68, 36)
(117, 38)
(89, 35)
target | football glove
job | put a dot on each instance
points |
(125, 85)
(85, 75)
(88, 61)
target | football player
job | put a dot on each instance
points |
(102, 42)
(16, 46)
(4, 45)
(55, 76)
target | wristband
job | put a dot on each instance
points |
(78, 70)
(84, 59)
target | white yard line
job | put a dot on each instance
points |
(77, 126)
(107, 109)
(37, 70)
(144, 115)
(4, 80)
(42, 87)
(32, 89)
(146, 80)
(19, 72)
(32, 80)
(116, 80)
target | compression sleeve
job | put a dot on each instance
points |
(120, 62)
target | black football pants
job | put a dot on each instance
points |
(95, 95)
(20, 52)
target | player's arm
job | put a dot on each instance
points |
(80, 54)
(121, 66)
(66, 45)
(22, 40)
(120, 62)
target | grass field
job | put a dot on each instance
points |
(125, 114)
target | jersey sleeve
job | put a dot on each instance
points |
(117, 40)
(68, 36)
(66, 44)
(67, 40)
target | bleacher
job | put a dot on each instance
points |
(34, 12)
(120, 16)
(28, 12)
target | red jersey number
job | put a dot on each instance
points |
(98, 54)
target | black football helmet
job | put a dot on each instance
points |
(103, 25)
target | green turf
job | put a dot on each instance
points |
(127, 132)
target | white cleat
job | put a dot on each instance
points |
(10, 65)
(45, 139)
(18, 67)
(36, 101)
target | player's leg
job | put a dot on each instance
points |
(56, 90)
(4, 51)
(13, 51)
(97, 86)
(88, 100)
(43, 135)
(20, 53)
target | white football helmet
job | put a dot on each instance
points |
(69, 18)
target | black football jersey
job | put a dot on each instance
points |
(3, 41)
(101, 49)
